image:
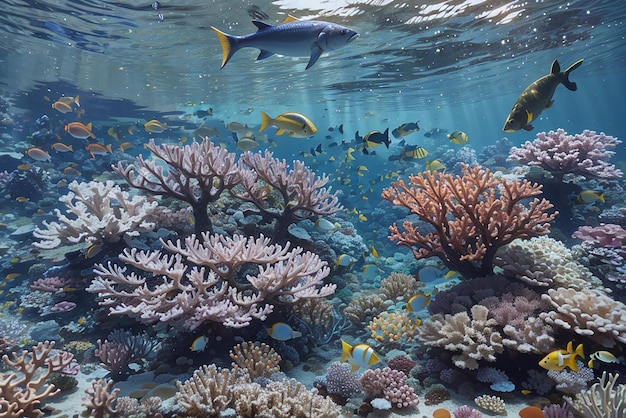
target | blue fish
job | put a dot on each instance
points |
(294, 38)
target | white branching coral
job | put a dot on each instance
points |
(198, 281)
(97, 213)
(475, 337)
(603, 399)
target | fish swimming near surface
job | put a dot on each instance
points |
(294, 38)
(537, 97)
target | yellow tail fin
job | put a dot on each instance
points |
(227, 51)
(266, 121)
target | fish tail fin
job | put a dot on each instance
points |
(345, 350)
(228, 43)
(77, 100)
(579, 351)
(569, 84)
(601, 197)
(266, 121)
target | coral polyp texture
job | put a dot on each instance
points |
(98, 213)
(472, 215)
(200, 280)
(582, 154)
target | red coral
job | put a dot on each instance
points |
(473, 215)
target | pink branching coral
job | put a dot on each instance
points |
(200, 280)
(473, 215)
(100, 398)
(389, 384)
(196, 173)
(302, 193)
(583, 154)
(22, 391)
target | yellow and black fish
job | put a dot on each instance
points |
(405, 129)
(537, 97)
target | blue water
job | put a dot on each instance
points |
(447, 65)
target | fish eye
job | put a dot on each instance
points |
(343, 32)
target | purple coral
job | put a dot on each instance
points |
(604, 235)
(560, 154)
(466, 412)
(341, 381)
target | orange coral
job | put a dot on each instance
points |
(393, 327)
(472, 215)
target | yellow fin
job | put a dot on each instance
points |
(225, 43)
(529, 116)
(289, 19)
(266, 121)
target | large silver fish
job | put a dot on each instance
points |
(537, 97)
(295, 38)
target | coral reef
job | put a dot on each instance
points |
(393, 327)
(389, 384)
(603, 399)
(340, 380)
(99, 213)
(120, 350)
(582, 154)
(473, 215)
(100, 398)
(302, 193)
(258, 359)
(491, 403)
(22, 391)
(197, 174)
(201, 281)
(589, 312)
(544, 261)
(475, 337)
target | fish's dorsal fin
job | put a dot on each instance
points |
(555, 68)
(261, 25)
(289, 19)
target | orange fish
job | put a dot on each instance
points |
(79, 130)
(61, 147)
(61, 107)
(38, 154)
(98, 149)
(71, 170)
(68, 100)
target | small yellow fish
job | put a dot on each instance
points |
(526, 392)
(11, 276)
(126, 145)
(24, 167)
(154, 126)
(294, 124)
(435, 165)
(458, 137)
(589, 196)
(373, 252)
(359, 356)
(21, 199)
(362, 217)
(560, 359)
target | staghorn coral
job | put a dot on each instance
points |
(582, 154)
(589, 312)
(258, 359)
(201, 281)
(302, 193)
(22, 391)
(544, 261)
(197, 174)
(473, 215)
(603, 399)
(475, 337)
(98, 213)
(100, 398)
